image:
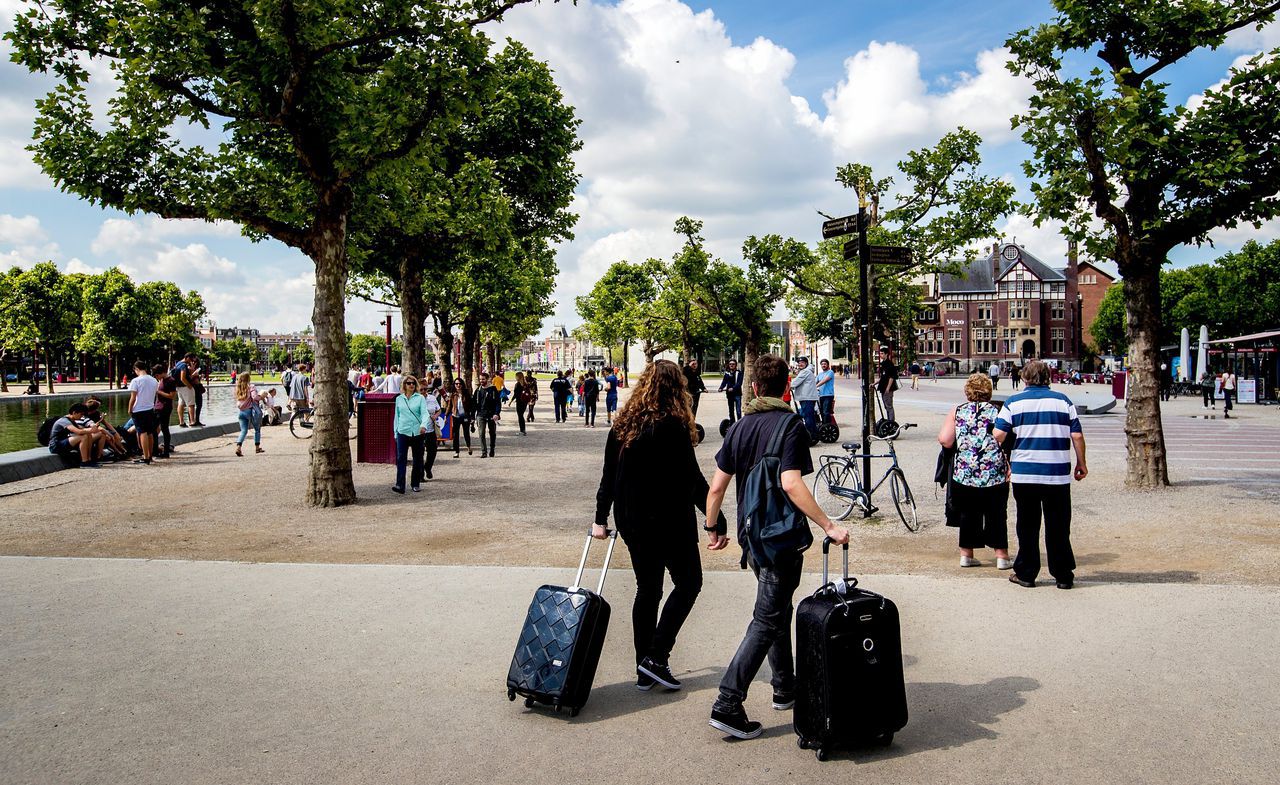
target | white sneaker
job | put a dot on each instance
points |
(1004, 564)
(969, 561)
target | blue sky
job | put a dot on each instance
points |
(743, 132)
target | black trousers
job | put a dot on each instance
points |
(487, 424)
(590, 411)
(983, 515)
(655, 636)
(163, 416)
(562, 410)
(461, 428)
(696, 397)
(521, 407)
(1206, 393)
(1052, 503)
(1226, 399)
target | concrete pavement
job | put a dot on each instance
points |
(128, 671)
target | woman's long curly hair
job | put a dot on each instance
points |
(659, 393)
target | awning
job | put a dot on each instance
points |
(1245, 338)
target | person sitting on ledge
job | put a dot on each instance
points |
(70, 438)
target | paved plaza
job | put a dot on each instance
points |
(255, 640)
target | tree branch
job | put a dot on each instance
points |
(1186, 49)
(495, 13)
(180, 87)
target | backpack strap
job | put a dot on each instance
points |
(774, 448)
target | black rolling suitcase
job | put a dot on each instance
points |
(559, 647)
(849, 685)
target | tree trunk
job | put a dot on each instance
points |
(413, 313)
(492, 352)
(650, 350)
(444, 349)
(48, 370)
(750, 354)
(1147, 463)
(4, 383)
(329, 483)
(470, 334)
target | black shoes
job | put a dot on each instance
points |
(735, 723)
(659, 672)
(415, 489)
(1066, 584)
(644, 682)
(398, 489)
(1025, 584)
(783, 700)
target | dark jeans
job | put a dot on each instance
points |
(562, 410)
(1226, 399)
(887, 398)
(590, 412)
(653, 636)
(826, 405)
(1053, 502)
(1206, 393)
(983, 514)
(769, 634)
(521, 407)
(199, 404)
(487, 424)
(808, 410)
(461, 428)
(696, 397)
(735, 406)
(163, 416)
(403, 446)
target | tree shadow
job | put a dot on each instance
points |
(943, 715)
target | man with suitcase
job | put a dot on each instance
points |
(769, 633)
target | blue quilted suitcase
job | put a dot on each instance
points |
(559, 647)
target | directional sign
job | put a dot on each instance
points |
(851, 250)
(838, 226)
(889, 255)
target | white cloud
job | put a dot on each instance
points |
(1250, 39)
(24, 242)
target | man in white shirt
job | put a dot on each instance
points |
(142, 407)
(391, 383)
(994, 373)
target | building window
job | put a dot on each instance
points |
(955, 305)
(1058, 310)
(985, 340)
(986, 311)
(1058, 338)
(954, 339)
(1020, 309)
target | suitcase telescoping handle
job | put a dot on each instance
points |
(608, 556)
(844, 552)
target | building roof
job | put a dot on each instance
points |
(980, 275)
(1107, 268)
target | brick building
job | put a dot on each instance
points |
(1095, 280)
(1007, 307)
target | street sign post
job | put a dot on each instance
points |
(839, 226)
(891, 255)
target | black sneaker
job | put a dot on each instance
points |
(1025, 584)
(735, 723)
(1065, 584)
(644, 682)
(659, 672)
(783, 700)
(397, 489)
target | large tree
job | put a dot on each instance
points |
(619, 308)
(1110, 145)
(303, 102)
(44, 305)
(114, 318)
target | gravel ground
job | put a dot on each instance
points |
(531, 504)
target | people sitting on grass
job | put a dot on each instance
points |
(74, 435)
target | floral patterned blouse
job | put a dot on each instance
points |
(979, 461)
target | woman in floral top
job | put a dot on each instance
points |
(980, 479)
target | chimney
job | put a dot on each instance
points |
(1073, 251)
(995, 261)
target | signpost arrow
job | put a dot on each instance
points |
(840, 226)
(895, 255)
(851, 249)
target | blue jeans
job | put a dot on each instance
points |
(404, 444)
(768, 635)
(809, 412)
(251, 416)
(735, 407)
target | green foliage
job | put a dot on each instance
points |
(235, 351)
(619, 307)
(304, 354)
(175, 315)
(277, 356)
(365, 348)
(1108, 328)
(114, 315)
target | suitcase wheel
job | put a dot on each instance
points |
(820, 753)
(557, 708)
(801, 743)
(573, 712)
(884, 739)
(528, 703)
(511, 695)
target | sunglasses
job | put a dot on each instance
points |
(412, 384)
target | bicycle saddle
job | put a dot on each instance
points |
(851, 446)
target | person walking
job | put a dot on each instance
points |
(488, 413)
(1014, 375)
(590, 399)
(769, 634)
(582, 398)
(915, 375)
(610, 395)
(249, 412)
(655, 431)
(826, 392)
(300, 390)
(1207, 383)
(520, 397)
(560, 390)
(731, 386)
(393, 382)
(166, 396)
(979, 482)
(413, 421)
(994, 372)
(531, 379)
(196, 375)
(1228, 392)
(142, 408)
(184, 386)
(804, 388)
(1045, 428)
(887, 384)
(461, 407)
(693, 377)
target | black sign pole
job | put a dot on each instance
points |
(864, 352)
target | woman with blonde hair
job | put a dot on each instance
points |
(980, 477)
(247, 402)
(415, 426)
(652, 481)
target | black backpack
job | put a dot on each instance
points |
(773, 525)
(45, 431)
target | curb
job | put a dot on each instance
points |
(38, 461)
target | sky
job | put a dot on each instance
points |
(734, 112)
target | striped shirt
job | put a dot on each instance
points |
(1042, 422)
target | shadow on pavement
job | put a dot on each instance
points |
(622, 698)
(1167, 576)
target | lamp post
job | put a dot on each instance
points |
(387, 323)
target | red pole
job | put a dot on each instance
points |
(387, 368)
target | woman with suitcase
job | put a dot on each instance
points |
(652, 481)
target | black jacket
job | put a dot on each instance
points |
(694, 380)
(488, 404)
(560, 388)
(654, 485)
(732, 382)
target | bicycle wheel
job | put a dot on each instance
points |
(835, 475)
(903, 500)
(300, 426)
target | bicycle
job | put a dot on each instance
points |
(302, 425)
(838, 487)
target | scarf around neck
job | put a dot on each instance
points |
(761, 404)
